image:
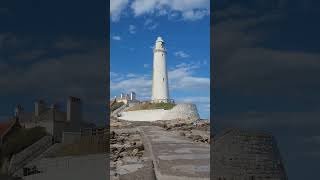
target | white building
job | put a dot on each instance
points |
(127, 98)
(160, 88)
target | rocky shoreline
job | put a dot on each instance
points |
(128, 153)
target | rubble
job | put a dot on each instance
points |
(126, 153)
(198, 131)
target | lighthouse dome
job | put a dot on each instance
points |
(159, 39)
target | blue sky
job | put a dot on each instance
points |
(185, 28)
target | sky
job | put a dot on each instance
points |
(51, 50)
(267, 69)
(184, 25)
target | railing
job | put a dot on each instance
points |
(93, 131)
(115, 112)
(22, 158)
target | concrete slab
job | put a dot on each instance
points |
(174, 156)
(93, 167)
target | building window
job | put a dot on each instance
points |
(163, 79)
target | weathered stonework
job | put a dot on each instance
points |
(245, 155)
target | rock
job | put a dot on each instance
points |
(119, 163)
(134, 152)
(123, 154)
(140, 146)
(196, 137)
(182, 134)
(121, 149)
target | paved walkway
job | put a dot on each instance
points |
(90, 167)
(176, 157)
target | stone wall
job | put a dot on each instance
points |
(246, 155)
(70, 137)
(180, 111)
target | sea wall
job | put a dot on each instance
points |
(242, 154)
(180, 111)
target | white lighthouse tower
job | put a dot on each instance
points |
(160, 88)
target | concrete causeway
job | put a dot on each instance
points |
(176, 157)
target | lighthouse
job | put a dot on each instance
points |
(160, 88)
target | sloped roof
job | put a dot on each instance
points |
(6, 125)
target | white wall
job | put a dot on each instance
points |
(180, 111)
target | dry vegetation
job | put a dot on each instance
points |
(148, 105)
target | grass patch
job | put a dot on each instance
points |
(148, 106)
(116, 105)
(86, 145)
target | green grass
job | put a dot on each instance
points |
(116, 106)
(148, 106)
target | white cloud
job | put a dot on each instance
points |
(153, 26)
(181, 54)
(180, 78)
(194, 15)
(130, 75)
(140, 7)
(132, 29)
(150, 24)
(116, 8)
(113, 74)
(189, 9)
(116, 38)
(139, 84)
(148, 21)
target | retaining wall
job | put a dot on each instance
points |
(245, 155)
(180, 111)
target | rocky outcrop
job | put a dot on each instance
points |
(126, 151)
